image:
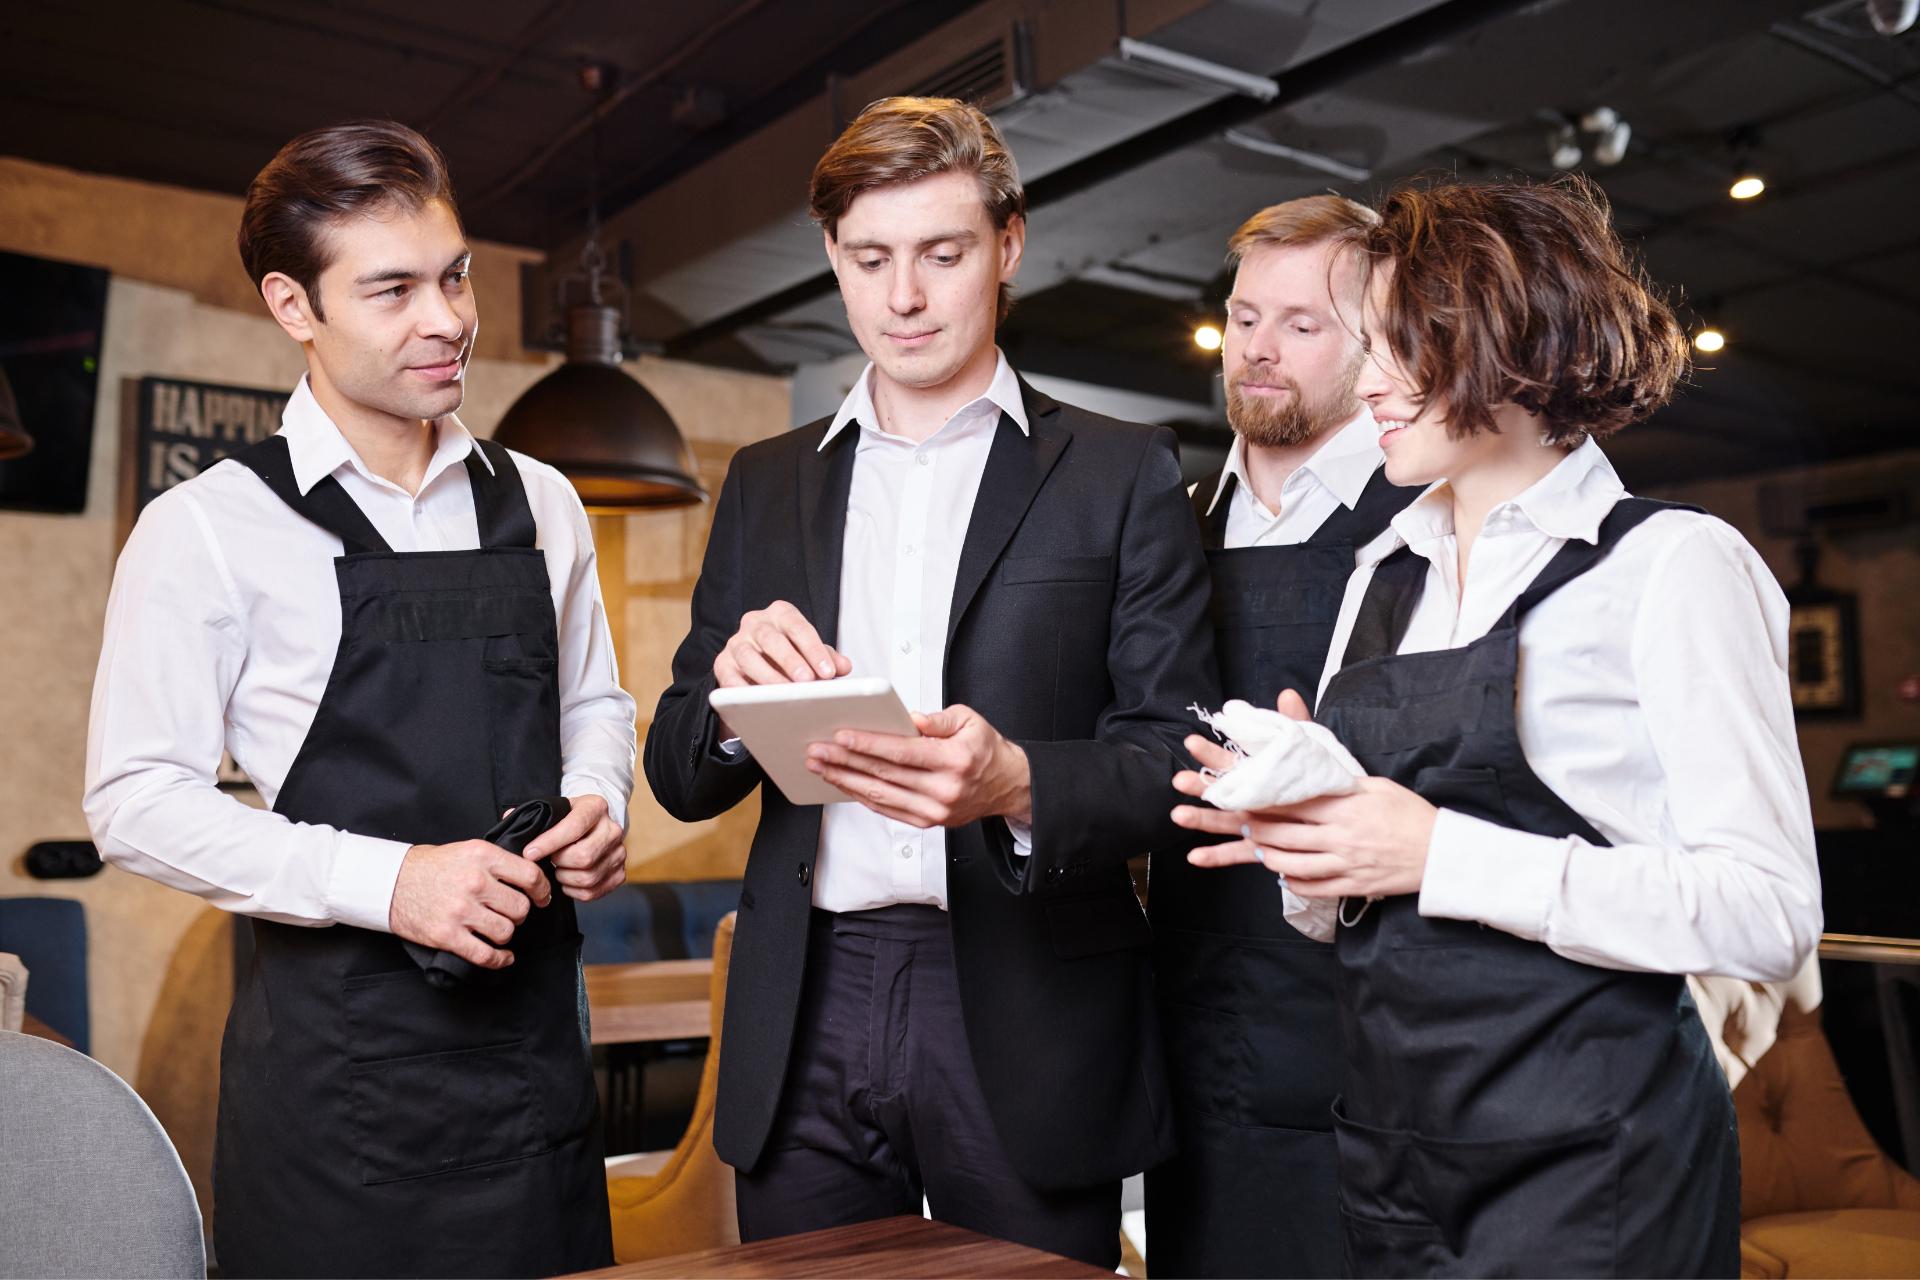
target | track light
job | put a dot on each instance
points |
(1207, 337)
(1563, 147)
(1747, 186)
(1709, 340)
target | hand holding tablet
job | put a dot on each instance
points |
(778, 722)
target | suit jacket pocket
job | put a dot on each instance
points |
(1056, 569)
(1092, 926)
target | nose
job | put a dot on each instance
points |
(904, 294)
(1372, 384)
(438, 318)
(1263, 345)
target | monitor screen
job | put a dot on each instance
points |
(51, 317)
(1871, 770)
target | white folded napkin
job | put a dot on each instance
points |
(1281, 761)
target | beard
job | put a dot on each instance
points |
(1297, 419)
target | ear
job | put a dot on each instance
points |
(833, 251)
(288, 304)
(1013, 243)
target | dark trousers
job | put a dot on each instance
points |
(881, 1104)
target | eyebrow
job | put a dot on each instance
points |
(945, 237)
(399, 275)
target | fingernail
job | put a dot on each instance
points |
(826, 669)
(1246, 831)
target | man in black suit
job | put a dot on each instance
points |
(944, 988)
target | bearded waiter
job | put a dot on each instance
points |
(1246, 1001)
(396, 630)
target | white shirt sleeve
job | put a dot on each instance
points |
(1737, 890)
(172, 654)
(597, 741)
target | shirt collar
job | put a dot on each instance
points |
(1569, 502)
(1344, 462)
(318, 449)
(1002, 394)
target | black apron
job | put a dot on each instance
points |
(1247, 1003)
(372, 1124)
(1508, 1111)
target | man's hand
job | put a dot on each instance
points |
(589, 858)
(958, 771)
(462, 897)
(777, 645)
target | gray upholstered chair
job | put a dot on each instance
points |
(89, 1182)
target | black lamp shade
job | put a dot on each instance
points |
(607, 434)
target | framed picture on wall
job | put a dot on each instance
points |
(1823, 653)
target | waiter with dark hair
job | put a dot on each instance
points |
(397, 631)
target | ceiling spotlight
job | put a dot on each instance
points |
(1563, 147)
(1892, 17)
(1709, 340)
(1207, 337)
(1747, 186)
(1610, 147)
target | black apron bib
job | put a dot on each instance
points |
(372, 1124)
(1508, 1111)
(1247, 1003)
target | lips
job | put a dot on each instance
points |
(438, 372)
(916, 339)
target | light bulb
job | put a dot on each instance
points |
(1747, 186)
(1709, 339)
(1207, 337)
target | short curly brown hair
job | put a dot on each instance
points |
(1521, 293)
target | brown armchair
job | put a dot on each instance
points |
(1817, 1196)
(687, 1203)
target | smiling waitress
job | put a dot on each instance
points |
(1584, 781)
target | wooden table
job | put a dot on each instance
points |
(905, 1247)
(652, 1000)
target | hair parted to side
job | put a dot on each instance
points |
(324, 176)
(904, 139)
(1294, 224)
(1522, 293)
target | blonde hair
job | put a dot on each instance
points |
(1295, 223)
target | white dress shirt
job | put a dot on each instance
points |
(907, 516)
(221, 632)
(1653, 700)
(1333, 477)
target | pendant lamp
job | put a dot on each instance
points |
(600, 428)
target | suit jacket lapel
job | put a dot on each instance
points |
(825, 478)
(1017, 466)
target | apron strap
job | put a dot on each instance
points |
(1213, 524)
(499, 497)
(326, 504)
(1386, 611)
(1576, 557)
(1361, 523)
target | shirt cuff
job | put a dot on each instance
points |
(1022, 833)
(732, 748)
(360, 884)
(1494, 875)
(585, 783)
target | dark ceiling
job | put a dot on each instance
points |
(1816, 283)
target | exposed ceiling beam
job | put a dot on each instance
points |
(1402, 40)
(492, 74)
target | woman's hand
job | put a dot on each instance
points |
(1371, 843)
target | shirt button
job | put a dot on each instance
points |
(908, 548)
(803, 873)
(906, 851)
(906, 646)
(922, 459)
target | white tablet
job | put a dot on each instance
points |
(778, 722)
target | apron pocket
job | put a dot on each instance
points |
(1536, 1205)
(523, 695)
(439, 1112)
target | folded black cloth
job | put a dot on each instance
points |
(513, 833)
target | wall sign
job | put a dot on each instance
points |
(174, 429)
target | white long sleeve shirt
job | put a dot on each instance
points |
(221, 631)
(1652, 699)
(1333, 477)
(907, 514)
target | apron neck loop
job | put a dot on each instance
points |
(325, 504)
(499, 497)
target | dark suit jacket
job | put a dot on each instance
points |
(1079, 630)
